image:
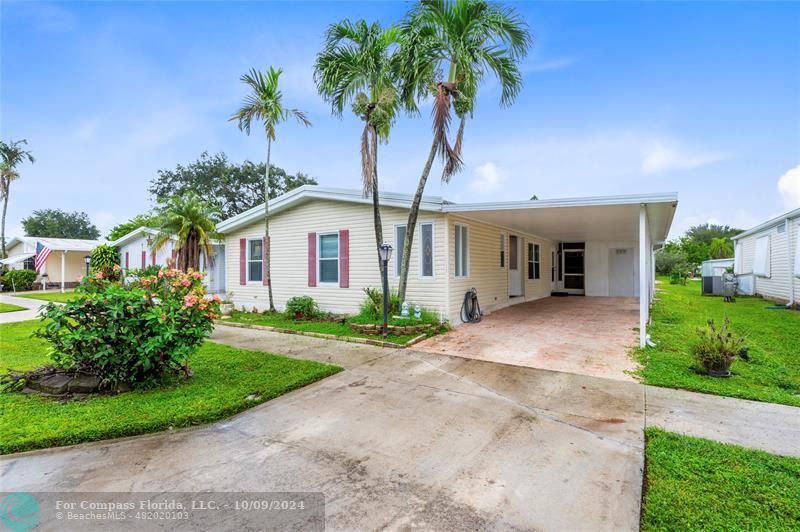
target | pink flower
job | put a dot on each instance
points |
(217, 298)
(186, 282)
(163, 317)
(99, 275)
(189, 301)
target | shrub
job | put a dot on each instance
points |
(718, 347)
(130, 333)
(18, 280)
(679, 275)
(302, 305)
(104, 258)
(372, 306)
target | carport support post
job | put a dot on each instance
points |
(644, 298)
(63, 255)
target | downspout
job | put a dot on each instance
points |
(792, 299)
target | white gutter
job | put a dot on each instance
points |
(768, 224)
(637, 199)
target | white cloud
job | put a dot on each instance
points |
(789, 187)
(487, 178)
(659, 156)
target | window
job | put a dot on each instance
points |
(462, 251)
(255, 260)
(426, 257)
(329, 258)
(782, 227)
(399, 243)
(29, 263)
(761, 261)
(552, 266)
(533, 261)
(502, 251)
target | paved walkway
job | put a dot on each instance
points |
(404, 439)
(32, 306)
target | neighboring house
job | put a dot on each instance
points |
(136, 251)
(63, 268)
(770, 252)
(323, 245)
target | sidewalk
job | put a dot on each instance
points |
(32, 306)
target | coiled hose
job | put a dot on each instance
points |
(470, 309)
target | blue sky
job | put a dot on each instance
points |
(698, 98)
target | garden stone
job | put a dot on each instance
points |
(83, 383)
(56, 384)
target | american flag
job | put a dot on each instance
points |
(42, 252)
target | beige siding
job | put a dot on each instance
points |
(484, 271)
(778, 285)
(289, 246)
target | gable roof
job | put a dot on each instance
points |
(57, 244)
(133, 235)
(769, 224)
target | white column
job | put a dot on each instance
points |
(644, 299)
(63, 274)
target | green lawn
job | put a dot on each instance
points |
(7, 307)
(223, 379)
(696, 484)
(773, 337)
(49, 296)
(335, 328)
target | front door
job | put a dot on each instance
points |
(573, 271)
(514, 267)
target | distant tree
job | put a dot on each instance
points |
(534, 198)
(705, 233)
(12, 154)
(55, 223)
(140, 220)
(232, 188)
(192, 221)
(721, 248)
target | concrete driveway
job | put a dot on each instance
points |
(399, 440)
(584, 335)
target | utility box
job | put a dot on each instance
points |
(711, 273)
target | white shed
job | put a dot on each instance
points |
(770, 252)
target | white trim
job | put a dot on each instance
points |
(248, 260)
(465, 269)
(320, 259)
(422, 253)
(644, 301)
(769, 224)
(532, 260)
(670, 197)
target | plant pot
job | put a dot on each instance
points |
(718, 371)
(226, 309)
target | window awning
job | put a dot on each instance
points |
(16, 258)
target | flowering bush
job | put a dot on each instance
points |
(105, 259)
(134, 332)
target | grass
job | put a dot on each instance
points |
(224, 378)
(8, 307)
(336, 328)
(697, 484)
(772, 336)
(58, 297)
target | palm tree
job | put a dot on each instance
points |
(193, 221)
(468, 39)
(264, 103)
(13, 154)
(358, 66)
(721, 248)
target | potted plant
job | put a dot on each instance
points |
(717, 348)
(226, 305)
(301, 308)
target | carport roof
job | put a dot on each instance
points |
(606, 218)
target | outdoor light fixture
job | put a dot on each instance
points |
(385, 253)
(87, 259)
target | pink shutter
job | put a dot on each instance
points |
(242, 261)
(344, 258)
(312, 259)
(144, 259)
(127, 260)
(153, 258)
(174, 254)
(264, 250)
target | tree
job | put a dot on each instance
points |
(470, 38)
(265, 104)
(234, 188)
(705, 233)
(721, 248)
(358, 66)
(192, 220)
(55, 223)
(12, 154)
(140, 220)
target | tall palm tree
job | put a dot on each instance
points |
(358, 66)
(469, 39)
(721, 248)
(193, 222)
(265, 104)
(12, 154)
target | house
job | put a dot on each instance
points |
(323, 245)
(136, 251)
(65, 265)
(770, 252)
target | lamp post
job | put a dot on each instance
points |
(385, 252)
(87, 259)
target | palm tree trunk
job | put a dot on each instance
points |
(3, 228)
(267, 252)
(412, 222)
(376, 203)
